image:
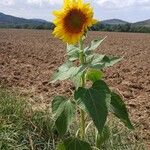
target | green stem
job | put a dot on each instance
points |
(82, 125)
(82, 113)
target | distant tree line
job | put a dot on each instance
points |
(97, 27)
(120, 28)
(44, 26)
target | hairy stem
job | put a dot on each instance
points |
(82, 114)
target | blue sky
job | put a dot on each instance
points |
(129, 10)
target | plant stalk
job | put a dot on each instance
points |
(82, 113)
(82, 124)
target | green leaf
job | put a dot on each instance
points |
(64, 111)
(95, 103)
(60, 146)
(71, 48)
(119, 109)
(58, 105)
(94, 75)
(114, 102)
(102, 87)
(65, 118)
(77, 79)
(110, 60)
(74, 144)
(67, 71)
(65, 66)
(103, 61)
(89, 58)
(104, 136)
(97, 58)
(73, 52)
(95, 61)
(61, 70)
(93, 45)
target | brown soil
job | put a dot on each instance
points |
(28, 59)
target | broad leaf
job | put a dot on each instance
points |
(97, 58)
(89, 58)
(67, 71)
(104, 136)
(60, 146)
(65, 66)
(102, 87)
(114, 102)
(110, 60)
(103, 61)
(61, 70)
(119, 110)
(93, 45)
(58, 105)
(72, 52)
(95, 61)
(73, 144)
(95, 103)
(66, 117)
(64, 111)
(71, 48)
(77, 79)
(94, 75)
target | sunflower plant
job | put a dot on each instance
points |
(92, 100)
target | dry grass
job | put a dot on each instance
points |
(23, 129)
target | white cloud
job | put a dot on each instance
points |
(38, 2)
(122, 3)
(50, 2)
(104, 3)
(7, 2)
(42, 2)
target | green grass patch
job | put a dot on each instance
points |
(20, 127)
(120, 138)
(24, 129)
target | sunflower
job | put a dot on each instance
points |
(73, 20)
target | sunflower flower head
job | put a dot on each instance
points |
(73, 20)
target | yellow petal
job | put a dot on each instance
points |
(72, 20)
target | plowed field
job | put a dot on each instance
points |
(29, 57)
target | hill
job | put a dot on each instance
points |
(11, 21)
(145, 23)
(112, 25)
(114, 22)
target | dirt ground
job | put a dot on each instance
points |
(28, 59)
